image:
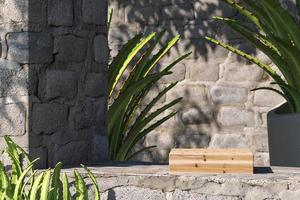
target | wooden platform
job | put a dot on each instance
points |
(211, 161)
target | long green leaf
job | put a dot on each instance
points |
(54, 195)
(81, 190)
(95, 183)
(115, 77)
(252, 59)
(162, 52)
(259, 41)
(139, 126)
(20, 181)
(117, 111)
(35, 187)
(45, 188)
(148, 130)
(65, 185)
(283, 20)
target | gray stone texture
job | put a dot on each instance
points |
(94, 12)
(13, 119)
(60, 12)
(96, 85)
(53, 81)
(101, 51)
(61, 84)
(71, 49)
(48, 118)
(154, 182)
(29, 47)
(214, 83)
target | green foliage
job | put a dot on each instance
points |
(276, 33)
(23, 182)
(126, 125)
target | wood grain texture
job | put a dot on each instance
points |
(211, 161)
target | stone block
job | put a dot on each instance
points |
(228, 95)
(9, 65)
(198, 31)
(71, 49)
(90, 113)
(267, 98)
(94, 12)
(42, 154)
(13, 83)
(29, 47)
(60, 12)
(261, 159)
(195, 115)
(145, 15)
(191, 93)
(229, 141)
(240, 72)
(12, 11)
(154, 91)
(163, 139)
(101, 50)
(37, 12)
(135, 193)
(184, 195)
(61, 84)
(204, 70)
(183, 11)
(13, 119)
(289, 195)
(150, 3)
(178, 74)
(235, 117)
(259, 142)
(77, 150)
(48, 118)
(192, 140)
(96, 85)
(206, 9)
(99, 149)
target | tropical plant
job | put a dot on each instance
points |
(23, 182)
(126, 125)
(275, 32)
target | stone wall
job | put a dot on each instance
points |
(219, 108)
(137, 182)
(53, 63)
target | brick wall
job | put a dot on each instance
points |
(219, 108)
(53, 82)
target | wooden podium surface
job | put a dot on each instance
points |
(213, 161)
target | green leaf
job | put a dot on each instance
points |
(35, 187)
(139, 126)
(141, 151)
(117, 111)
(81, 190)
(20, 181)
(95, 183)
(46, 185)
(149, 129)
(252, 59)
(123, 64)
(109, 18)
(54, 195)
(66, 186)
(157, 57)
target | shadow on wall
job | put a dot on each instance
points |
(196, 120)
(52, 79)
(192, 19)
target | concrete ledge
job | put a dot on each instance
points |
(138, 182)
